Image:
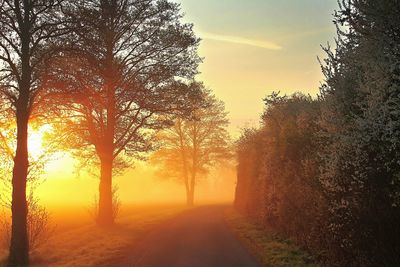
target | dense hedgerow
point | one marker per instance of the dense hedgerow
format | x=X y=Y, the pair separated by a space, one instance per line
x=326 y=172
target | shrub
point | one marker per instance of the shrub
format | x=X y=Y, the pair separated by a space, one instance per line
x=39 y=226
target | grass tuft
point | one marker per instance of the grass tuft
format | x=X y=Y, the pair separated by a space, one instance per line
x=269 y=248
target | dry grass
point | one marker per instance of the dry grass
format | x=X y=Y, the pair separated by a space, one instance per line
x=271 y=250
x=78 y=242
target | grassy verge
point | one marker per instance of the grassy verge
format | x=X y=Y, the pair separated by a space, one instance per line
x=271 y=250
x=79 y=242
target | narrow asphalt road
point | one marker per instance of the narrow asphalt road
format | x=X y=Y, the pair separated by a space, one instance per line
x=196 y=238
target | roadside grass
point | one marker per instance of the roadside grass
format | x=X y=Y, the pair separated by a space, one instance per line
x=77 y=241
x=271 y=250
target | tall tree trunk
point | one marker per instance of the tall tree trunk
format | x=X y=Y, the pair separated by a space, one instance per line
x=189 y=184
x=187 y=188
x=193 y=172
x=106 y=211
x=19 y=247
x=106 y=214
x=190 y=198
x=182 y=147
x=190 y=192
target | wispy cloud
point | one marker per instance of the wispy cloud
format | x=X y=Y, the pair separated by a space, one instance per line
x=298 y=35
x=240 y=40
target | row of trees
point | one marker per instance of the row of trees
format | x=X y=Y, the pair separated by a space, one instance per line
x=325 y=172
x=108 y=75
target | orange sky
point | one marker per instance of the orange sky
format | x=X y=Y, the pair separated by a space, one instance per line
x=250 y=49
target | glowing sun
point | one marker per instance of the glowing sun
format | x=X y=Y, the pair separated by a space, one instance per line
x=35 y=143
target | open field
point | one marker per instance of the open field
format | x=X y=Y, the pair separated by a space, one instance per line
x=77 y=241
x=271 y=250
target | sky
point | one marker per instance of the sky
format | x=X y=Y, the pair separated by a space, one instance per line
x=254 y=47
x=250 y=48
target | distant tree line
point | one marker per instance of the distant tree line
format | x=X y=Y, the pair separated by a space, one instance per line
x=325 y=172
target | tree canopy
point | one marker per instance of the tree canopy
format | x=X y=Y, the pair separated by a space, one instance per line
x=194 y=144
x=123 y=74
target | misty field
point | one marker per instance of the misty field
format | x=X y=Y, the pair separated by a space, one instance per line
x=77 y=241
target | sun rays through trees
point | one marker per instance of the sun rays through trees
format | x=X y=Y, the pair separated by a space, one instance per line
x=112 y=89
x=123 y=76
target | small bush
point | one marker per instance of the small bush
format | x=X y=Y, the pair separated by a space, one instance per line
x=39 y=226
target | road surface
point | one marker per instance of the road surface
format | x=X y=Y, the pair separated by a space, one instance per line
x=196 y=238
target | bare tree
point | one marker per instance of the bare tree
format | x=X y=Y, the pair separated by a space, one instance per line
x=124 y=74
x=194 y=144
x=27 y=29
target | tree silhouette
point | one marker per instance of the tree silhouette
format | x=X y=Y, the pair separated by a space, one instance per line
x=27 y=29
x=125 y=72
x=194 y=144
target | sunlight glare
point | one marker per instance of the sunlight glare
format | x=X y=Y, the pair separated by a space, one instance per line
x=35 y=143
